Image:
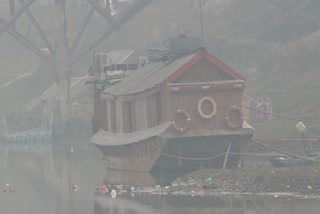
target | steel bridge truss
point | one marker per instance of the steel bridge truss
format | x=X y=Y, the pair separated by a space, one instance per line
x=51 y=58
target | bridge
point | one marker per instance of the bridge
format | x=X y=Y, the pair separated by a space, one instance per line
x=64 y=54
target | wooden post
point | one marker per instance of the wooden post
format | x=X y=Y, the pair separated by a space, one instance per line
x=180 y=160
x=305 y=145
x=226 y=157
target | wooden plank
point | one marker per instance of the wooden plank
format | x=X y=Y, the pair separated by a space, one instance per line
x=159 y=108
x=165 y=95
x=133 y=116
x=113 y=116
x=153 y=111
x=126 y=117
x=109 y=115
x=119 y=116
x=104 y=115
x=141 y=114
x=149 y=110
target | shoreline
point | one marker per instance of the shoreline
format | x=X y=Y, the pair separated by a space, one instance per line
x=296 y=182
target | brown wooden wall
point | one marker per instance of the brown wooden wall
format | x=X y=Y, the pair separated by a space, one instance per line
x=161 y=107
x=203 y=71
x=131 y=116
x=113 y=118
x=148 y=112
x=188 y=101
x=172 y=101
x=104 y=115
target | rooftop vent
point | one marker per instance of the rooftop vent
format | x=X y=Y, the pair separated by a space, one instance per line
x=183 y=44
x=175 y=47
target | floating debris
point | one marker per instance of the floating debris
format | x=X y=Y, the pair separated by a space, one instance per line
x=113 y=194
x=74 y=188
x=8 y=188
x=103 y=189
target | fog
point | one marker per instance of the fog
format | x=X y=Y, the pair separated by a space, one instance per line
x=47 y=52
x=256 y=38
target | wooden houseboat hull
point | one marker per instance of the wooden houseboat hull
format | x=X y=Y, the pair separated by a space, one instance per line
x=167 y=154
x=194 y=153
x=133 y=151
x=139 y=156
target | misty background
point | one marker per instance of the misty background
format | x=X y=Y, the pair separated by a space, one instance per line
x=275 y=44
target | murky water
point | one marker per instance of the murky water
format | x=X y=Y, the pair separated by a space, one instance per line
x=40 y=181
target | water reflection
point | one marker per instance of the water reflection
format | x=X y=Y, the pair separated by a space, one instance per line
x=42 y=179
x=204 y=205
x=41 y=182
x=136 y=179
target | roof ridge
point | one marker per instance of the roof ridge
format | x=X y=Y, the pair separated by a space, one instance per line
x=185 y=54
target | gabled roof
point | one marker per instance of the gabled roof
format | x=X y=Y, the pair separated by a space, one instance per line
x=157 y=73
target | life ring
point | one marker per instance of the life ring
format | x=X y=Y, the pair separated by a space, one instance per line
x=186 y=124
x=238 y=124
x=213 y=105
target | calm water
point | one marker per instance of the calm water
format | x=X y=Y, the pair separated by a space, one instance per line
x=40 y=181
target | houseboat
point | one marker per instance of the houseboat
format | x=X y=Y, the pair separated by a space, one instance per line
x=181 y=112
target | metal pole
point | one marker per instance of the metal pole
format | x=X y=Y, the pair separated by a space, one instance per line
x=15 y=16
x=81 y=31
x=38 y=28
x=201 y=22
x=226 y=157
x=29 y=45
x=108 y=8
x=103 y=12
x=131 y=12
x=304 y=143
x=63 y=64
x=12 y=11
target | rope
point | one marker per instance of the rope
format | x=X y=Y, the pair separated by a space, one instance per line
x=301 y=150
x=249 y=98
x=284 y=117
x=188 y=158
x=256 y=154
x=281 y=151
x=247 y=154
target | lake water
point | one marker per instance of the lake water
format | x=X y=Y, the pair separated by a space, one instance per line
x=40 y=179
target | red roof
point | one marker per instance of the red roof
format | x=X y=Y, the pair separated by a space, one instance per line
x=158 y=73
x=211 y=58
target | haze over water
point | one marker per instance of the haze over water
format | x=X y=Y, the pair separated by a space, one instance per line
x=40 y=182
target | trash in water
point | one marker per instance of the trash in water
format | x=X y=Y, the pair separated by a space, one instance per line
x=113 y=194
x=209 y=179
x=8 y=188
x=74 y=188
x=103 y=189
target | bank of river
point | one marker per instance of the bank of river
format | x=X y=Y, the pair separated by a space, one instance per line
x=254 y=181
